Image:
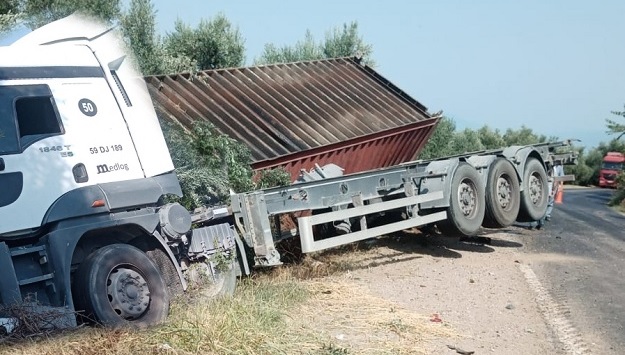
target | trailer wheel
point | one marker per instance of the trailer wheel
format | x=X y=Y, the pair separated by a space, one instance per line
x=535 y=194
x=118 y=285
x=502 y=195
x=466 y=202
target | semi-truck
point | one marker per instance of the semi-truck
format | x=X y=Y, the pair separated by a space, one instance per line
x=613 y=164
x=87 y=229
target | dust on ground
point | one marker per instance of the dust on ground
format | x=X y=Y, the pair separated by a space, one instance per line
x=473 y=291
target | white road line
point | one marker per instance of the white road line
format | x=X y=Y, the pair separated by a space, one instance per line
x=555 y=315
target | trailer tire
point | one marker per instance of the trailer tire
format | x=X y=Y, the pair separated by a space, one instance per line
x=502 y=195
x=118 y=285
x=466 y=202
x=535 y=194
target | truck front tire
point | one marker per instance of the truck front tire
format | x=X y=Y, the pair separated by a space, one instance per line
x=118 y=285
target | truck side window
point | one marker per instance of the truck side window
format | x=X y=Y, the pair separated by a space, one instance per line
x=9 y=142
x=27 y=114
x=36 y=115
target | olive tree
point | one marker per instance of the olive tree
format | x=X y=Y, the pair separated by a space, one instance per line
x=40 y=12
x=213 y=44
x=342 y=41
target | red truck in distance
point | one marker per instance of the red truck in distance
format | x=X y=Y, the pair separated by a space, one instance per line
x=613 y=164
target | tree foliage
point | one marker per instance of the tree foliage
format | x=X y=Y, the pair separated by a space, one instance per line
x=446 y=141
x=438 y=144
x=210 y=164
x=491 y=139
x=213 y=44
x=346 y=41
x=9 y=14
x=138 y=25
x=40 y=12
x=342 y=41
x=615 y=127
x=466 y=140
x=524 y=136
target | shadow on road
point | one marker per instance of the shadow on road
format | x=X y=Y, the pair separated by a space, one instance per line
x=398 y=247
x=442 y=245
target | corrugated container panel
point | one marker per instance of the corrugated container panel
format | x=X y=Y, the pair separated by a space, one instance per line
x=297 y=114
x=359 y=154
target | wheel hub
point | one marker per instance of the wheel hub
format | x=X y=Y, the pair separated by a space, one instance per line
x=467 y=198
x=128 y=293
x=536 y=188
x=504 y=192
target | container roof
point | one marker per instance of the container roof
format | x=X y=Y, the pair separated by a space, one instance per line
x=285 y=109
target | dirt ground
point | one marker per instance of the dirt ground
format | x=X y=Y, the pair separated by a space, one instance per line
x=480 y=291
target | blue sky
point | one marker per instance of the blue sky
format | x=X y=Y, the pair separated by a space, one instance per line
x=556 y=66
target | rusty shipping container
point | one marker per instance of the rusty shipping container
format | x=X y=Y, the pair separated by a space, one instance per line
x=296 y=115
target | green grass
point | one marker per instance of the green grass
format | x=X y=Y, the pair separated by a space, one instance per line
x=251 y=322
x=309 y=308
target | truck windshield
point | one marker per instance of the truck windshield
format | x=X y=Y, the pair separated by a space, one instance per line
x=612 y=166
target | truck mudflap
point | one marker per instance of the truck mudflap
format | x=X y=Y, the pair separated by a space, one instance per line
x=213 y=253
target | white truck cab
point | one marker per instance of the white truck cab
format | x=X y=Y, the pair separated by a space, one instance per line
x=73 y=113
x=84 y=167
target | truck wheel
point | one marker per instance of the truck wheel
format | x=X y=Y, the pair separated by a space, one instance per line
x=118 y=285
x=466 y=202
x=502 y=195
x=535 y=194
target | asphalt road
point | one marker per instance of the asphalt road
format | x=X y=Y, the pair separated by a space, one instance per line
x=580 y=258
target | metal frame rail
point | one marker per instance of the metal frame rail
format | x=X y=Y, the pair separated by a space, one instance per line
x=421 y=189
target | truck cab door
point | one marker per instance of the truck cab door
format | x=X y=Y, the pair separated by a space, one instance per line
x=27 y=115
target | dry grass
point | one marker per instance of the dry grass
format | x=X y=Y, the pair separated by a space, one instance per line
x=345 y=316
x=308 y=308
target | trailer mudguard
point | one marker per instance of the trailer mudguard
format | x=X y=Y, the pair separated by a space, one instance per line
x=439 y=175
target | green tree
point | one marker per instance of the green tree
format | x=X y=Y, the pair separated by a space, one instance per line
x=213 y=44
x=466 y=141
x=524 y=136
x=9 y=14
x=306 y=49
x=346 y=42
x=615 y=127
x=584 y=168
x=41 y=12
x=342 y=41
x=490 y=139
x=139 y=27
x=9 y=6
x=439 y=144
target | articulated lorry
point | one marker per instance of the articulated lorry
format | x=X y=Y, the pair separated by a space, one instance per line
x=87 y=234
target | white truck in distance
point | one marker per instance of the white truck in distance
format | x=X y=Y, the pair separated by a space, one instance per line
x=84 y=169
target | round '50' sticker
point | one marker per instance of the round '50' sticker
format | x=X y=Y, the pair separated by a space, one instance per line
x=87 y=107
